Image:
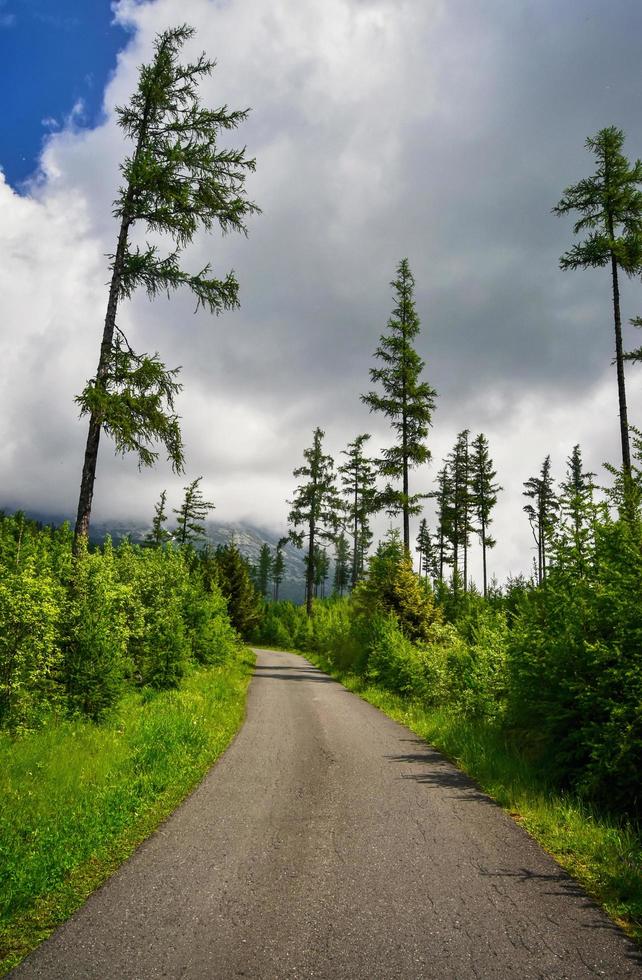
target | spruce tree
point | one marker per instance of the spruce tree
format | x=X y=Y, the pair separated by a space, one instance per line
x=321 y=563
x=278 y=568
x=542 y=515
x=406 y=400
x=236 y=585
x=159 y=535
x=358 y=479
x=191 y=514
x=460 y=525
x=444 y=497
x=316 y=508
x=176 y=181
x=483 y=495
x=264 y=570
x=578 y=512
x=341 y=564
x=428 y=565
x=610 y=207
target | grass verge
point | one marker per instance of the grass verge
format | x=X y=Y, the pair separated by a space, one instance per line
x=604 y=856
x=78 y=798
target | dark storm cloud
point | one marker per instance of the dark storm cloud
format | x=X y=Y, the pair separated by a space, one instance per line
x=439 y=131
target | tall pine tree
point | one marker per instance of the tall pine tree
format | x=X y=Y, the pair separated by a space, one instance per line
x=176 y=181
x=542 y=515
x=278 y=568
x=483 y=495
x=316 y=508
x=610 y=207
x=406 y=400
x=341 y=564
x=191 y=514
x=159 y=535
x=358 y=479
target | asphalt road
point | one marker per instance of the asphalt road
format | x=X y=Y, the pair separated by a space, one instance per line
x=330 y=842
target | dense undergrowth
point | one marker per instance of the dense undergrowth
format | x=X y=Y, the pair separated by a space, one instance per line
x=122 y=678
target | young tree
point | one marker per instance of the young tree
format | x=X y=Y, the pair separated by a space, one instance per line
x=358 y=480
x=321 y=571
x=341 y=564
x=428 y=566
x=159 y=535
x=460 y=525
x=483 y=495
x=610 y=207
x=578 y=512
x=236 y=585
x=542 y=514
x=315 y=512
x=264 y=570
x=406 y=400
x=191 y=514
x=278 y=568
x=444 y=496
x=175 y=181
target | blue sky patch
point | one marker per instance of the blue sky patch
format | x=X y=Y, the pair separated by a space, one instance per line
x=53 y=56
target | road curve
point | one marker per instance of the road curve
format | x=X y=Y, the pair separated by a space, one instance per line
x=330 y=842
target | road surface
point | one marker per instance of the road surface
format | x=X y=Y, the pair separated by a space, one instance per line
x=330 y=842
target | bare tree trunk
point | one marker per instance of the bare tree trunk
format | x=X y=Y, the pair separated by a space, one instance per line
x=619 y=363
x=93 y=437
x=309 y=591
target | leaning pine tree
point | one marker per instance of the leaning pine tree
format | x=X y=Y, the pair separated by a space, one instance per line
x=315 y=513
x=175 y=181
x=406 y=400
x=610 y=207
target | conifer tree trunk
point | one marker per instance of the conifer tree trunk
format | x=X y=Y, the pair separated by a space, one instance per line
x=619 y=362
x=93 y=437
x=88 y=477
x=309 y=589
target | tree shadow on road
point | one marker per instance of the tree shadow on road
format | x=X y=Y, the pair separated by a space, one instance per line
x=437 y=771
x=285 y=673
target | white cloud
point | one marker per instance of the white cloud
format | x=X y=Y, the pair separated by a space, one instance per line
x=381 y=128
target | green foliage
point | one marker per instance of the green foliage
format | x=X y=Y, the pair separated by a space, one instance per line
x=264 y=570
x=31 y=607
x=191 y=514
x=358 y=482
x=159 y=535
x=610 y=207
x=177 y=180
x=96 y=634
x=609 y=204
x=406 y=401
x=316 y=508
x=243 y=602
x=576 y=670
x=391 y=587
x=74 y=632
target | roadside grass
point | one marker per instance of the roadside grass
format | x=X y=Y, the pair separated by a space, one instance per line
x=77 y=798
x=603 y=855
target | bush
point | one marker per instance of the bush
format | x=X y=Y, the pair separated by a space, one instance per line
x=30 y=613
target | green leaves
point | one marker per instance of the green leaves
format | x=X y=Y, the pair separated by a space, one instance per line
x=406 y=400
x=134 y=403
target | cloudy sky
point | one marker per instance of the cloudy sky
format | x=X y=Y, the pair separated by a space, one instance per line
x=440 y=130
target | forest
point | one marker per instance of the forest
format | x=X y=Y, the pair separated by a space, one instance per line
x=549 y=664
